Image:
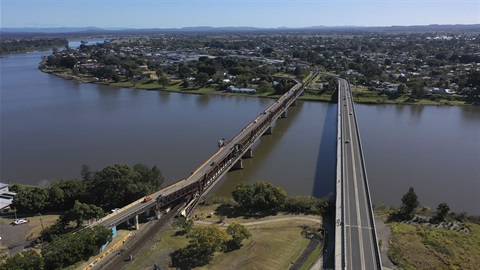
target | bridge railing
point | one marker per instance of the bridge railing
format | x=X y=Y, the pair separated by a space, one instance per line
x=371 y=215
x=340 y=197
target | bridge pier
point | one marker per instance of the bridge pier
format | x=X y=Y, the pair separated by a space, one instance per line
x=248 y=154
x=284 y=114
x=136 y=222
x=294 y=103
x=238 y=165
x=158 y=214
x=268 y=131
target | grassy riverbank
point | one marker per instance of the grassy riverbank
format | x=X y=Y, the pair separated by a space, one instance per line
x=359 y=95
x=420 y=245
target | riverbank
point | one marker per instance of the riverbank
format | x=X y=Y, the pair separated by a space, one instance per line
x=420 y=245
x=359 y=95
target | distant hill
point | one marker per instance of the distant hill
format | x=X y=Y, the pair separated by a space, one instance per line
x=97 y=30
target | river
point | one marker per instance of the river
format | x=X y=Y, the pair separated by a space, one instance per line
x=50 y=127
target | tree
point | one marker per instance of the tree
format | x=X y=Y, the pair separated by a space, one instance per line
x=442 y=212
x=201 y=79
x=204 y=241
x=30 y=259
x=409 y=204
x=163 y=80
x=243 y=195
x=70 y=248
x=268 y=197
x=31 y=200
x=263 y=86
x=401 y=89
x=184 y=224
x=237 y=232
x=83 y=211
x=86 y=173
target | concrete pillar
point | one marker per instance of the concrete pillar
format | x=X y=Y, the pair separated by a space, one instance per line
x=284 y=114
x=294 y=103
x=268 y=131
x=136 y=223
x=158 y=214
x=238 y=165
x=248 y=154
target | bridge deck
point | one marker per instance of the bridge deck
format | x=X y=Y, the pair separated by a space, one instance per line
x=361 y=248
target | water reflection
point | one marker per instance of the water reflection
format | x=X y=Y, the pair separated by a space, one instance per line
x=324 y=184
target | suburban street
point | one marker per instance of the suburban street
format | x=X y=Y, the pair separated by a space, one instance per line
x=360 y=241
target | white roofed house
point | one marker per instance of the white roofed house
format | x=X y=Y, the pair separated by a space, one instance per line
x=233 y=89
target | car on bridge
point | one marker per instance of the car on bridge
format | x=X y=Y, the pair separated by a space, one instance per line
x=147 y=199
x=160 y=196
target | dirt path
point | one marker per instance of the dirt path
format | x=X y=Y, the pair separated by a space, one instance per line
x=224 y=224
x=383 y=234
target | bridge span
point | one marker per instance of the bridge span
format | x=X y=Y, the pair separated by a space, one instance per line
x=356 y=245
x=229 y=156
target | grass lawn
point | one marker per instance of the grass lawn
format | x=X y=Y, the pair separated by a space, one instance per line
x=274 y=245
x=419 y=247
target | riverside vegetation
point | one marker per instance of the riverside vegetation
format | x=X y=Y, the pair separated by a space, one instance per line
x=422 y=239
x=407 y=68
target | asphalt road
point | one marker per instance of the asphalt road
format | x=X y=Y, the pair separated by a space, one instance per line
x=359 y=234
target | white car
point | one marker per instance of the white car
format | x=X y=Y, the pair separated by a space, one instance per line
x=19 y=221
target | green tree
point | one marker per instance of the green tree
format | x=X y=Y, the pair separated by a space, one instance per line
x=238 y=233
x=153 y=176
x=204 y=241
x=163 y=80
x=442 y=212
x=184 y=224
x=26 y=260
x=268 y=197
x=201 y=79
x=31 y=200
x=401 y=89
x=70 y=248
x=243 y=195
x=409 y=204
x=83 y=211
x=56 y=197
x=263 y=86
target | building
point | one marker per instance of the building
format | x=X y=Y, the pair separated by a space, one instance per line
x=6 y=197
x=233 y=89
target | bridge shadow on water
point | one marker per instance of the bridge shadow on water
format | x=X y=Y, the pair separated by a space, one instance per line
x=324 y=183
x=325 y=175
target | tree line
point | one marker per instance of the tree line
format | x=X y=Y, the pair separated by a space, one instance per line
x=63 y=251
x=409 y=208
x=8 y=46
x=114 y=186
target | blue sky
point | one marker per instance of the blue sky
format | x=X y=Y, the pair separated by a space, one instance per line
x=259 y=13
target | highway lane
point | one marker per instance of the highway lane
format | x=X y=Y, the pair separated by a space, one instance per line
x=359 y=233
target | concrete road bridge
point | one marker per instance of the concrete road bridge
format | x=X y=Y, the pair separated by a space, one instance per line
x=356 y=245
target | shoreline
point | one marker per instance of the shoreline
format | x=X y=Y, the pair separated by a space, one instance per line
x=326 y=98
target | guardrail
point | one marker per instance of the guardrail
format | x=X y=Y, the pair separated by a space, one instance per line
x=371 y=216
x=339 y=198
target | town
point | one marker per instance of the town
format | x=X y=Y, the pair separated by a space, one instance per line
x=417 y=64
